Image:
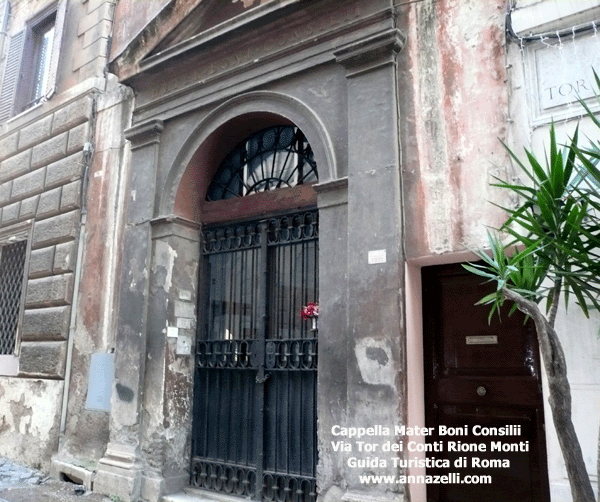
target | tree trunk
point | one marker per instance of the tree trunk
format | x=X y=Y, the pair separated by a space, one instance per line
x=559 y=398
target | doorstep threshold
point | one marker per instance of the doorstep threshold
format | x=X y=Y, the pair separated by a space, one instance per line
x=197 y=495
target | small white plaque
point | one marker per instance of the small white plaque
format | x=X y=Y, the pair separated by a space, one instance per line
x=377 y=256
x=482 y=340
x=172 y=331
x=185 y=294
x=184 y=345
x=185 y=323
x=184 y=309
x=561 y=72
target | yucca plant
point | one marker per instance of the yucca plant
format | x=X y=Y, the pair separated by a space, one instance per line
x=553 y=252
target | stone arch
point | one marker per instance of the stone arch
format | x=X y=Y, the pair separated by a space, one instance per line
x=224 y=127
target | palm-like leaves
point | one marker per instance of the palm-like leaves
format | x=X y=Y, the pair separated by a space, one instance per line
x=556 y=231
x=556 y=226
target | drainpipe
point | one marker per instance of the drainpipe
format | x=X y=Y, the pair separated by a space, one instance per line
x=87 y=157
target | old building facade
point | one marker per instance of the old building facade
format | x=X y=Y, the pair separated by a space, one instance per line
x=61 y=150
x=173 y=199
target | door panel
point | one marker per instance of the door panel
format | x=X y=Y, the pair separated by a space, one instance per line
x=482 y=373
x=254 y=429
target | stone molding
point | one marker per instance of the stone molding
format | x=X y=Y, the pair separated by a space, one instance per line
x=370 y=53
x=277 y=103
x=119 y=472
x=302 y=47
x=145 y=134
x=332 y=193
x=174 y=225
x=329 y=186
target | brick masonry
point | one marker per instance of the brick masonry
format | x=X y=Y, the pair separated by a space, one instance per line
x=41 y=174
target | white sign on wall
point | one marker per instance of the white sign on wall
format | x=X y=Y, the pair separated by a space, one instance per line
x=561 y=72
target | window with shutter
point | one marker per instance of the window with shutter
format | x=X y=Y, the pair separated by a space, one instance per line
x=11 y=75
x=32 y=62
x=36 y=63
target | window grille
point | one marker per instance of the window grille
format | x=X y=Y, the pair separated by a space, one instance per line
x=12 y=266
x=275 y=157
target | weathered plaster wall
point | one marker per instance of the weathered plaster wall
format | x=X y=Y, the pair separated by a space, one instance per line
x=87 y=29
x=167 y=406
x=455 y=109
x=49 y=154
x=29 y=419
x=86 y=431
x=330 y=69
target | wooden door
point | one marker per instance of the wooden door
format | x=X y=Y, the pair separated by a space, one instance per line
x=482 y=377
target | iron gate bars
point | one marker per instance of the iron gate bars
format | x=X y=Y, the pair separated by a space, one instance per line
x=254 y=431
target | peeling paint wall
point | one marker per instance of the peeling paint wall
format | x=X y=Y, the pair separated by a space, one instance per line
x=456 y=112
x=86 y=431
x=60 y=175
x=167 y=406
x=29 y=420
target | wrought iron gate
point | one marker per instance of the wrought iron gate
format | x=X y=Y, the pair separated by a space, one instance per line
x=254 y=431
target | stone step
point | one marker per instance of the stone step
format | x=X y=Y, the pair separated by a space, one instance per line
x=194 y=495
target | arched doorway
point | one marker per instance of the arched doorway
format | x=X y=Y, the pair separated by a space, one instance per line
x=254 y=425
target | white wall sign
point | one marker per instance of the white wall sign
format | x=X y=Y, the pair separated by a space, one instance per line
x=560 y=72
x=376 y=256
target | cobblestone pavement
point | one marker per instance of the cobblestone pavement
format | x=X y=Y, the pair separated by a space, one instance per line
x=20 y=484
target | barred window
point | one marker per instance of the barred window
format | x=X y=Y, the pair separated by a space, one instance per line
x=12 y=266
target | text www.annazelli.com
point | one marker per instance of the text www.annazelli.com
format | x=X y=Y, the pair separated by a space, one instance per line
x=447 y=479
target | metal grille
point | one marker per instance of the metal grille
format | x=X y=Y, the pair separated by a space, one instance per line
x=12 y=263
x=254 y=431
x=273 y=158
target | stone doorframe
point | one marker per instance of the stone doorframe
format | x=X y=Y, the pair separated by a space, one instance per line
x=148 y=452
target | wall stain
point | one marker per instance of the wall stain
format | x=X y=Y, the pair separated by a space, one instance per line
x=124 y=393
x=377 y=354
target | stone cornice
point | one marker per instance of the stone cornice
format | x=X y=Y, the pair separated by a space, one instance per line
x=144 y=134
x=372 y=52
x=172 y=224
x=301 y=48
x=329 y=186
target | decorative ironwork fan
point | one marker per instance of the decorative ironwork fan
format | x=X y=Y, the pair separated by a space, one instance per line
x=272 y=158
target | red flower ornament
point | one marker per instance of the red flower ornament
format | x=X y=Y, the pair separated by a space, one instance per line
x=310 y=311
